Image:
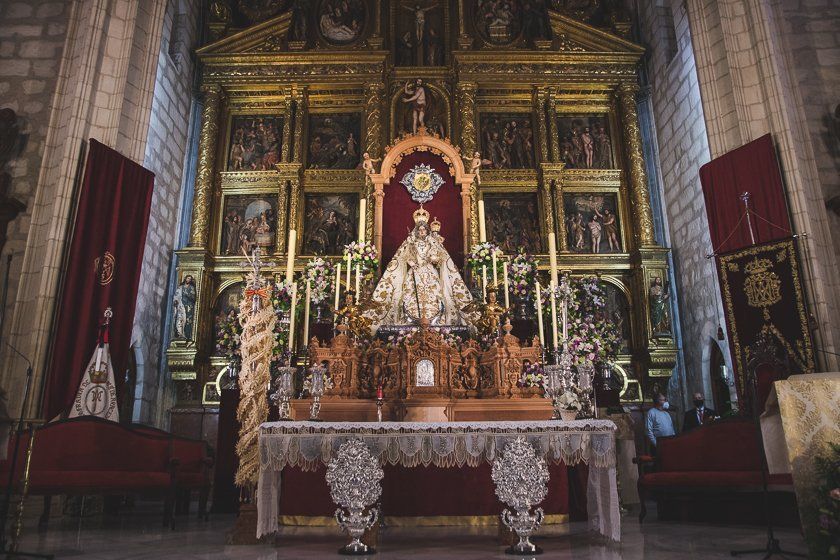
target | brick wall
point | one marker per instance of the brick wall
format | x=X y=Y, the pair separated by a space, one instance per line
x=32 y=37
x=683 y=147
x=166 y=147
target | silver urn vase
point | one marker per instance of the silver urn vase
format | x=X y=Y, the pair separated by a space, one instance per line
x=283 y=391
x=521 y=479
x=354 y=477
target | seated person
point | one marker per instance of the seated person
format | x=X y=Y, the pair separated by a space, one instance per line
x=698 y=415
x=658 y=422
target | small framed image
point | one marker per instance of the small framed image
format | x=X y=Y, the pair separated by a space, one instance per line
x=507 y=140
x=334 y=141
x=585 y=141
x=513 y=221
x=255 y=142
x=248 y=220
x=331 y=222
x=592 y=223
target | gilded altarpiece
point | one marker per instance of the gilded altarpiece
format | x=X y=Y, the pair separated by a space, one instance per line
x=547 y=102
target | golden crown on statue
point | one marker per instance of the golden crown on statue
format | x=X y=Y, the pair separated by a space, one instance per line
x=435 y=226
x=421 y=215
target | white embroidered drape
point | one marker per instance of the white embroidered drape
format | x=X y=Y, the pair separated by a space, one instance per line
x=443 y=444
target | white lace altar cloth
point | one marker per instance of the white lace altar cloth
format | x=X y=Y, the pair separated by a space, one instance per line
x=443 y=444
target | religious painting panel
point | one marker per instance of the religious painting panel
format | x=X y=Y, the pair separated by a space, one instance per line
x=510 y=22
x=330 y=222
x=585 y=141
x=225 y=322
x=419 y=104
x=618 y=312
x=334 y=141
x=183 y=307
x=419 y=33
x=513 y=221
x=255 y=143
x=248 y=221
x=592 y=224
x=507 y=140
x=341 y=22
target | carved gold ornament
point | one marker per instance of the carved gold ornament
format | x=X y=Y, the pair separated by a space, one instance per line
x=422 y=183
x=762 y=286
x=104 y=267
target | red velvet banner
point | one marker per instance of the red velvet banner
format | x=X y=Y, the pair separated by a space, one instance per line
x=103 y=270
x=752 y=168
x=398 y=208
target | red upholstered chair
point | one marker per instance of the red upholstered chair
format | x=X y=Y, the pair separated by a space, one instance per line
x=192 y=462
x=82 y=456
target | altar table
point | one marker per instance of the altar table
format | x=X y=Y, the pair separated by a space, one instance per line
x=443 y=444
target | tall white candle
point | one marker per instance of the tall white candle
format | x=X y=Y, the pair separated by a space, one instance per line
x=290 y=257
x=507 y=286
x=306 y=314
x=484 y=282
x=349 y=271
x=292 y=319
x=540 y=316
x=482 y=229
x=495 y=272
x=565 y=317
x=554 y=315
x=362 y=219
x=358 y=281
x=337 y=286
x=552 y=257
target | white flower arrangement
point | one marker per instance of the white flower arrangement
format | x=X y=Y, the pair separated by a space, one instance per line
x=570 y=401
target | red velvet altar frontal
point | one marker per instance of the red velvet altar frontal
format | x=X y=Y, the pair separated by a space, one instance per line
x=432 y=492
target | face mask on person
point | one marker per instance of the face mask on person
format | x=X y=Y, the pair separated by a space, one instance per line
x=665 y=405
x=698 y=403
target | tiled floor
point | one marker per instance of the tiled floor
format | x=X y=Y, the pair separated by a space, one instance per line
x=139 y=537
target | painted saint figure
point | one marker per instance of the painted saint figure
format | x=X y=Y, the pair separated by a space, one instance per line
x=416 y=96
x=184 y=308
x=660 y=316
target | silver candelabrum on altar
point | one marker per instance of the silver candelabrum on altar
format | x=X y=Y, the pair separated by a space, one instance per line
x=521 y=479
x=284 y=389
x=559 y=378
x=354 y=477
x=317 y=382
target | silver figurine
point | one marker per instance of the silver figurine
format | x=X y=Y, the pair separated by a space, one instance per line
x=521 y=479
x=354 y=477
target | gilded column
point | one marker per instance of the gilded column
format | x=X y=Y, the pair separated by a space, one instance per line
x=378 y=196
x=465 y=94
x=286 y=149
x=553 y=134
x=294 y=202
x=374 y=98
x=562 y=236
x=540 y=100
x=300 y=120
x=200 y=230
x=547 y=201
x=642 y=214
x=282 y=208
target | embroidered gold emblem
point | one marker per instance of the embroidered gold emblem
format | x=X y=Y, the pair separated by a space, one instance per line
x=104 y=267
x=762 y=286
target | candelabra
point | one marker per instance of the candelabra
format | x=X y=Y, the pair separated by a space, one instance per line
x=558 y=380
x=317 y=383
x=284 y=389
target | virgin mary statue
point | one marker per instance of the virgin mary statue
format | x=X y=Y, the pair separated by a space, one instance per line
x=421 y=282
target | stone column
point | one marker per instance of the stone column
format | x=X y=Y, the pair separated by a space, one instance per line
x=465 y=95
x=639 y=194
x=206 y=168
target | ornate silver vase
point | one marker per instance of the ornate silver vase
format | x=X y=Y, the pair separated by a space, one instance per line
x=521 y=479
x=558 y=378
x=283 y=391
x=317 y=382
x=354 y=477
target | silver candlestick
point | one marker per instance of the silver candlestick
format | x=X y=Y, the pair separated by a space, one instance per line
x=317 y=382
x=558 y=380
x=284 y=389
x=521 y=480
x=354 y=477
